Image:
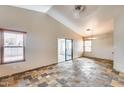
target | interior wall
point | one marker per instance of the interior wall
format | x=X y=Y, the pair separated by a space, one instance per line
x=119 y=43
x=102 y=47
x=41 y=42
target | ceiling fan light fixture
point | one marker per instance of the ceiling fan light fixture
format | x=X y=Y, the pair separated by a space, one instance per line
x=76 y=14
x=78 y=9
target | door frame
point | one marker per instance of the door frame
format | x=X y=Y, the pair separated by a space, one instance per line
x=65 y=54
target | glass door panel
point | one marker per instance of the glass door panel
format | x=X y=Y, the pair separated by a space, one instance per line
x=61 y=50
x=65 y=50
x=68 y=52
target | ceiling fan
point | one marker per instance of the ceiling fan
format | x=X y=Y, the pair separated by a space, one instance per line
x=78 y=9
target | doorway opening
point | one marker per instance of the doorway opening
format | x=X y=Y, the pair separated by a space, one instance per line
x=65 y=50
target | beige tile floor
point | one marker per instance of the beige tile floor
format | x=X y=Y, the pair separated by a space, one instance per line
x=81 y=72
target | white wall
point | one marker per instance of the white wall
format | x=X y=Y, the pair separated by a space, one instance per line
x=42 y=33
x=119 y=43
x=102 y=47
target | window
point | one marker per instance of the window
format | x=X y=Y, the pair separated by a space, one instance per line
x=87 y=45
x=13 y=49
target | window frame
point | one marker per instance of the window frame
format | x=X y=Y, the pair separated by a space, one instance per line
x=2 y=30
x=87 y=46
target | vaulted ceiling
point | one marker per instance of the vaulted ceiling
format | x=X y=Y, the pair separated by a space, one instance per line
x=99 y=19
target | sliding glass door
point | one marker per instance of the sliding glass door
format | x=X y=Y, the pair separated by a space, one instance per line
x=68 y=50
x=61 y=50
x=65 y=50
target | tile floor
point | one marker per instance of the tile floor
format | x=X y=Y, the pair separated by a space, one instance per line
x=81 y=72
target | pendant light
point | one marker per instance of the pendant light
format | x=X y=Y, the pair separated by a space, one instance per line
x=91 y=34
